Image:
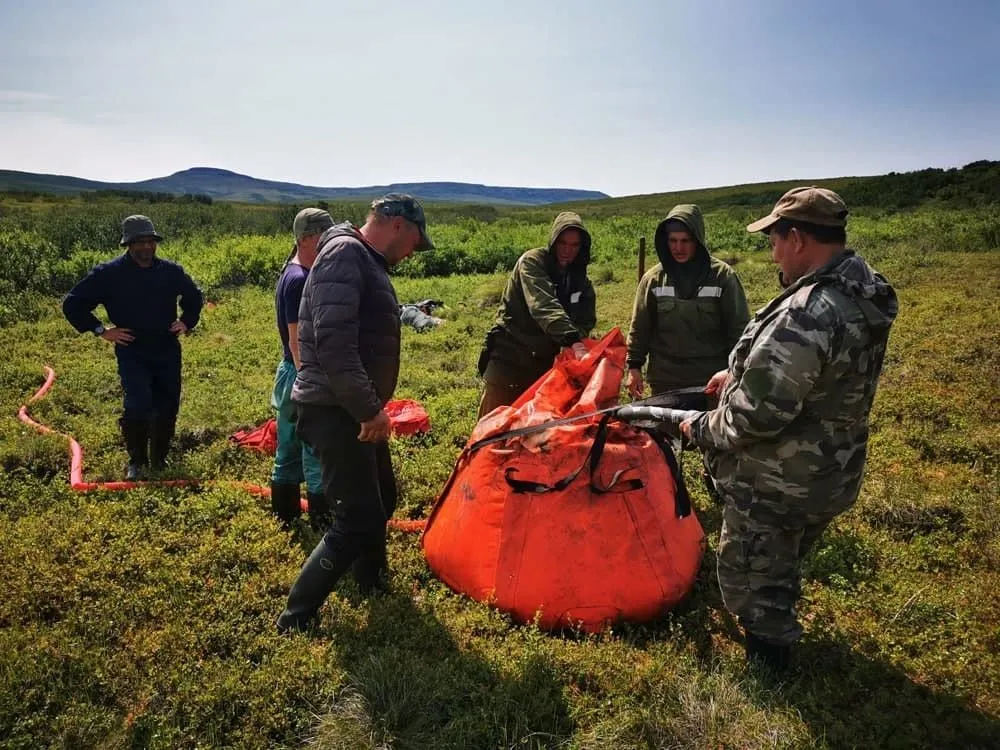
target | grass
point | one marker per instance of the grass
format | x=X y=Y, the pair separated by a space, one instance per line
x=145 y=618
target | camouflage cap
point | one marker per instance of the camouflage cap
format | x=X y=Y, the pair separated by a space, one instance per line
x=401 y=204
x=814 y=205
x=136 y=227
x=311 y=221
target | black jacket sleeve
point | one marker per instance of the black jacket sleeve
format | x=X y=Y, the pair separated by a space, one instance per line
x=78 y=305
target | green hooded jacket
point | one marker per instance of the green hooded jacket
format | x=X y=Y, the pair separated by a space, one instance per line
x=542 y=309
x=687 y=316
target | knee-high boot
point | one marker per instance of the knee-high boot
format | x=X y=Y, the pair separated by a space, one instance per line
x=316 y=580
x=320 y=512
x=371 y=569
x=285 y=502
x=135 y=433
x=161 y=433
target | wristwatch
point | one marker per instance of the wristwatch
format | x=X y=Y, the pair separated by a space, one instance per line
x=99 y=331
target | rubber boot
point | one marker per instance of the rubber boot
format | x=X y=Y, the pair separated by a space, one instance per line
x=160 y=434
x=315 y=582
x=135 y=433
x=285 y=503
x=371 y=570
x=320 y=512
x=774 y=657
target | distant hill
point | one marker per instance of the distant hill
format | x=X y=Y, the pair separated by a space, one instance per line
x=975 y=184
x=221 y=184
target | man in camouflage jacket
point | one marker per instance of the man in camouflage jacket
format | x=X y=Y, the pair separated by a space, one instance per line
x=786 y=446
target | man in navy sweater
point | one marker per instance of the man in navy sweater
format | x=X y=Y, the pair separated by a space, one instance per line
x=140 y=292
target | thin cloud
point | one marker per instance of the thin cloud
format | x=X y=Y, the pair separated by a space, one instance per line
x=9 y=96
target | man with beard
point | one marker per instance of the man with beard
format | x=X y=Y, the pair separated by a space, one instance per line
x=140 y=293
x=786 y=446
x=349 y=343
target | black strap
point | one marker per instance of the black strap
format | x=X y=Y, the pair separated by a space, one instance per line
x=593 y=459
x=682 y=500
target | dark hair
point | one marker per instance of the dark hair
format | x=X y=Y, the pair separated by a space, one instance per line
x=820 y=233
x=676 y=225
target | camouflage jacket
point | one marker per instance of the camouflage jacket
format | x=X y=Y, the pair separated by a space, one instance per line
x=789 y=437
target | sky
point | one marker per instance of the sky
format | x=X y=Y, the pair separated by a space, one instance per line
x=621 y=96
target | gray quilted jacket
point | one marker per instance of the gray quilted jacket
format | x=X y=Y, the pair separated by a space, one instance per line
x=349 y=327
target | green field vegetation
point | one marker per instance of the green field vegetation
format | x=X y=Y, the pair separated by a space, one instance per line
x=146 y=618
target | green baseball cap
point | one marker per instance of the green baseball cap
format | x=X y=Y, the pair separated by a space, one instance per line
x=311 y=221
x=401 y=204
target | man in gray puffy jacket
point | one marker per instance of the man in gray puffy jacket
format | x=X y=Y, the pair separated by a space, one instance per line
x=349 y=336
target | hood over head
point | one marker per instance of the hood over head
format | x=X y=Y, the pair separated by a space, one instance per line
x=569 y=220
x=690 y=216
x=686 y=276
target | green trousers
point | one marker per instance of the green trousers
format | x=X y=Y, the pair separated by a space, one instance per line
x=293 y=460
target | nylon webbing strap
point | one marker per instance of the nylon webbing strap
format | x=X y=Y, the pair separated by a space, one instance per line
x=593 y=459
x=682 y=500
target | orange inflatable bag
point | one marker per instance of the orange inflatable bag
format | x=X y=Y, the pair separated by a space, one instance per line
x=578 y=525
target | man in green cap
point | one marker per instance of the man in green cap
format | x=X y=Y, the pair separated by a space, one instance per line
x=349 y=344
x=294 y=460
x=140 y=294
x=689 y=310
x=548 y=304
x=786 y=446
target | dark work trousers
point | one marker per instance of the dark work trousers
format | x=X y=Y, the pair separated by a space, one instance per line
x=506 y=381
x=359 y=485
x=151 y=378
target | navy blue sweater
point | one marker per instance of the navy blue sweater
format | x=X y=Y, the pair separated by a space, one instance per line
x=141 y=299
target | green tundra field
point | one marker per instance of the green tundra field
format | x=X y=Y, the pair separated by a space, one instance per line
x=145 y=618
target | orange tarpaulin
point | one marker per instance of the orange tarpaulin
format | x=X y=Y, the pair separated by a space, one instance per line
x=580 y=525
x=407 y=418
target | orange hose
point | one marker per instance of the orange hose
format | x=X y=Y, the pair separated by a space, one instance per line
x=76 y=466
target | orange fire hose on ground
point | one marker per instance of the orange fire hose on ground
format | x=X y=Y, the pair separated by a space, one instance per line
x=77 y=483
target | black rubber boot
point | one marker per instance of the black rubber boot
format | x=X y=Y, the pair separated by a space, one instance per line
x=285 y=503
x=371 y=570
x=774 y=657
x=161 y=432
x=320 y=512
x=315 y=582
x=135 y=433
